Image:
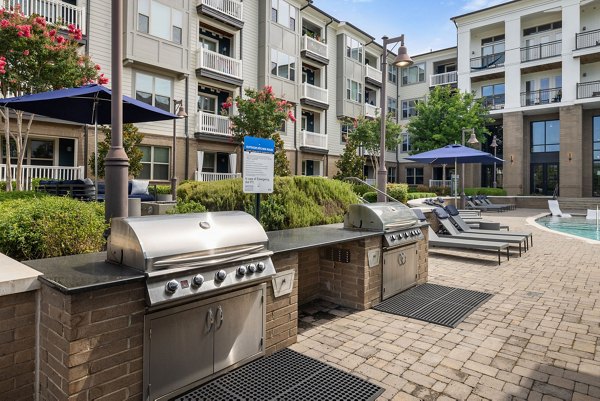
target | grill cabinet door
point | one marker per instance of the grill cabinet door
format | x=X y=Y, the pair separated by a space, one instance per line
x=239 y=328
x=399 y=270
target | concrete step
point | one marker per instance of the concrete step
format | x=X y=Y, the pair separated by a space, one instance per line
x=578 y=203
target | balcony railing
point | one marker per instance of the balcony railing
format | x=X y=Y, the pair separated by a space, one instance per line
x=495 y=102
x=440 y=183
x=314 y=140
x=216 y=62
x=588 y=89
x=314 y=46
x=371 y=111
x=314 y=93
x=587 y=39
x=55 y=11
x=445 y=78
x=540 y=51
x=200 y=176
x=213 y=124
x=488 y=61
x=231 y=8
x=373 y=73
x=29 y=172
x=542 y=96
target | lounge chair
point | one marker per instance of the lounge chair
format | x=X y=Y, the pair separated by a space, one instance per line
x=472 y=204
x=592 y=214
x=464 y=227
x=555 y=209
x=484 y=199
x=444 y=220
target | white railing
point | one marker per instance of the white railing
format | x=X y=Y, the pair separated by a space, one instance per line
x=373 y=73
x=445 y=78
x=55 y=11
x=314 y=93
x=440 y=183
x=29 y=172
x=314 y=46
x=371 y=181
x=314 y=140
x=213 y=124
x=200 y=176
x=371 y=111
x=216 y=62
x=232 y=8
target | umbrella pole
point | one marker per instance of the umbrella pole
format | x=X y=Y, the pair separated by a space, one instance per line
x=455 y=183
x=96 y=155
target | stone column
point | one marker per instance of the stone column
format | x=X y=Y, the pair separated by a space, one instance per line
x=571 y=151
x=514 y=166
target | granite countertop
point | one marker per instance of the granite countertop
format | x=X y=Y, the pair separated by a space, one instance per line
x=310 y=237
x=79 y=273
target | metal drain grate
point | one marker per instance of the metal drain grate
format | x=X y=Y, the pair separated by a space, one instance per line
x=285 y=376
x=438 y=304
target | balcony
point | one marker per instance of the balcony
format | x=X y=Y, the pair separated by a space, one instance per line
x=213 y=124
x=227 y=11
x=542 y=96
x=446 y=78
x=373 y=76
x=201 y=176
x=587 y=90
x=315 y=50
x=487 y=62
x=371 y=111
x=55 y=11
x=314 y=140
x=219 y=67
x=585 y=40
x=30 y=172
x=495 y=102
x=314 y=96
x=541 y=51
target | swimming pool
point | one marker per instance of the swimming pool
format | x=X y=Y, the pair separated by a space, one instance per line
x=576 y=225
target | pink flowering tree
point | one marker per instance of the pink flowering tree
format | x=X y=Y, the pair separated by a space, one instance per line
x=36 y=56
x=261 y=114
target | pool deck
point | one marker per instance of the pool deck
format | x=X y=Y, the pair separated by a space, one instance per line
x=537 y=338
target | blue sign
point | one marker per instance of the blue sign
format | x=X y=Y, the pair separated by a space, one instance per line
x=261 y=145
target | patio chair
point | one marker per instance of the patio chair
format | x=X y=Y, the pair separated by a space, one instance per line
x=555 y=209
x=454 y=216
x=444 y=220
x=592 y=214
x=477 y=204
x=485 y=200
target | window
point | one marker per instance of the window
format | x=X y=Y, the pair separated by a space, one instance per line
x=392 y=106
x=160 y=20
x=311 y=167
x=153 y=90
x=284 y=13
x=414 y=175
x=392 y=73
x=492 y=51
x=545 y=136
x=406 y=142
x=596 y=138
x=345 y=130
x=207 y=103
x=155 y=163
x=282 y=65
x=596 y=156
x=493 y=95
x=391 y=174
x=542 y=28
x=42 y=153
x=353 y=91
x=414 y=74
x=354 y=49
x=409 y=108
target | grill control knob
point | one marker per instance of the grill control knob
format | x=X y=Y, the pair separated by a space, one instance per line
x=405 y=235
x=241 y=270
x=172 y=286
x=251 y=268
x=197 y=280
x=260 y=267
x=220 y=275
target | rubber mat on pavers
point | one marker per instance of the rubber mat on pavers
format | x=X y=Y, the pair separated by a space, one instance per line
x=285 y=376
x=438 y=304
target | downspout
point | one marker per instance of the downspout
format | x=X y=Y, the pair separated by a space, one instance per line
x=186 y=129
x=326 y=36
x=296 y=146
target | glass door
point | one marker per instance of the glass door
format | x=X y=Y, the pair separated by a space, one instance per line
x=544 y=178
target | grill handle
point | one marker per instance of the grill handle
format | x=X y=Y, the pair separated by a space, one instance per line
x=210 y=320
x=222 y=257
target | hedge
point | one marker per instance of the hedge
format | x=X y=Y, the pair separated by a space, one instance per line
x=420 y=195
x=485 y=191
x=6 y=196
x=48 y=226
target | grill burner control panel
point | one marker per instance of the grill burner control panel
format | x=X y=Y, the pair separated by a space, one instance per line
x=403 y=237
x=197 y=282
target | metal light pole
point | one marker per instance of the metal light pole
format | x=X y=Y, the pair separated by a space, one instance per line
x=494 y=145
x=401 y=60
x=472 y=140
x=180 y=111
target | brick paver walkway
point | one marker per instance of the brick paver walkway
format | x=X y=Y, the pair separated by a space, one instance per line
x=537 y=338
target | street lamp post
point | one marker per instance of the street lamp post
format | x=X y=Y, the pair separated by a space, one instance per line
x=401 y=60
x=180 y=111
x=472 y=140
x=494 y=145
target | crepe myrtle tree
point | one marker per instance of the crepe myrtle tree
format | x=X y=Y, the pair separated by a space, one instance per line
x=261 y=114
x=36 y=56
x=132 y=138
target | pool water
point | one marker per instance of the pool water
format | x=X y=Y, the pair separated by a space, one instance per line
x=576 y=225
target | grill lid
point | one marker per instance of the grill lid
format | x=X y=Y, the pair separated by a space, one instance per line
x=151 y=243
x=382 y=216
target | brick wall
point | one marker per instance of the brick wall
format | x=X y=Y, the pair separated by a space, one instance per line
x=308 y=275
x=423 y=252
x=92 y=344
x=17 y=346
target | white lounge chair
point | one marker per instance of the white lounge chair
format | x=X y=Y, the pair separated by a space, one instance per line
x=555 y=209
x=592 y=214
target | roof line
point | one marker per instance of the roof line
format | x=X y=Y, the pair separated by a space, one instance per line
x=483 y=9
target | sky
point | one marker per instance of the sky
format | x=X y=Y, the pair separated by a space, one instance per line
x=425 y=24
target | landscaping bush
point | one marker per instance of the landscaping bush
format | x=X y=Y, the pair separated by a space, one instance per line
x=370 y=196
x=6 y=196
x=420 y=195
x=187 y=207
x=48 y=226
x=361 y=189
x=398 y=191
x=485 y=191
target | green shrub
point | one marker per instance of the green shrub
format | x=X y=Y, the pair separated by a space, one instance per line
x=420 y=195
x=163 y=189
x=6 y=196
x=3 y=185
x=370 y=196
x=485 y=191
x=43 y=227
x=187 y=207
x=361 y=189
x=398 y=192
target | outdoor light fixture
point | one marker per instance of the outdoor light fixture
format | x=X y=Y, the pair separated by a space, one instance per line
x=180 y=111
x=570 y=156
x=472 y=140
x=494 y=145
x=401 y=60
x=511 y=159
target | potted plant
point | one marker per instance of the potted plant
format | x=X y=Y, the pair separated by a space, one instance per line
x=163 y=193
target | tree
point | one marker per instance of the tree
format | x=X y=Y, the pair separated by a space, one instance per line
x=367 y=133
x=261 y=114
x=350 y=164
x=132 y=138
x=36 y=56
x=441 y=118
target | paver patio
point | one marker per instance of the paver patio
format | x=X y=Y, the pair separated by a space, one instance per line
x=537 y=338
